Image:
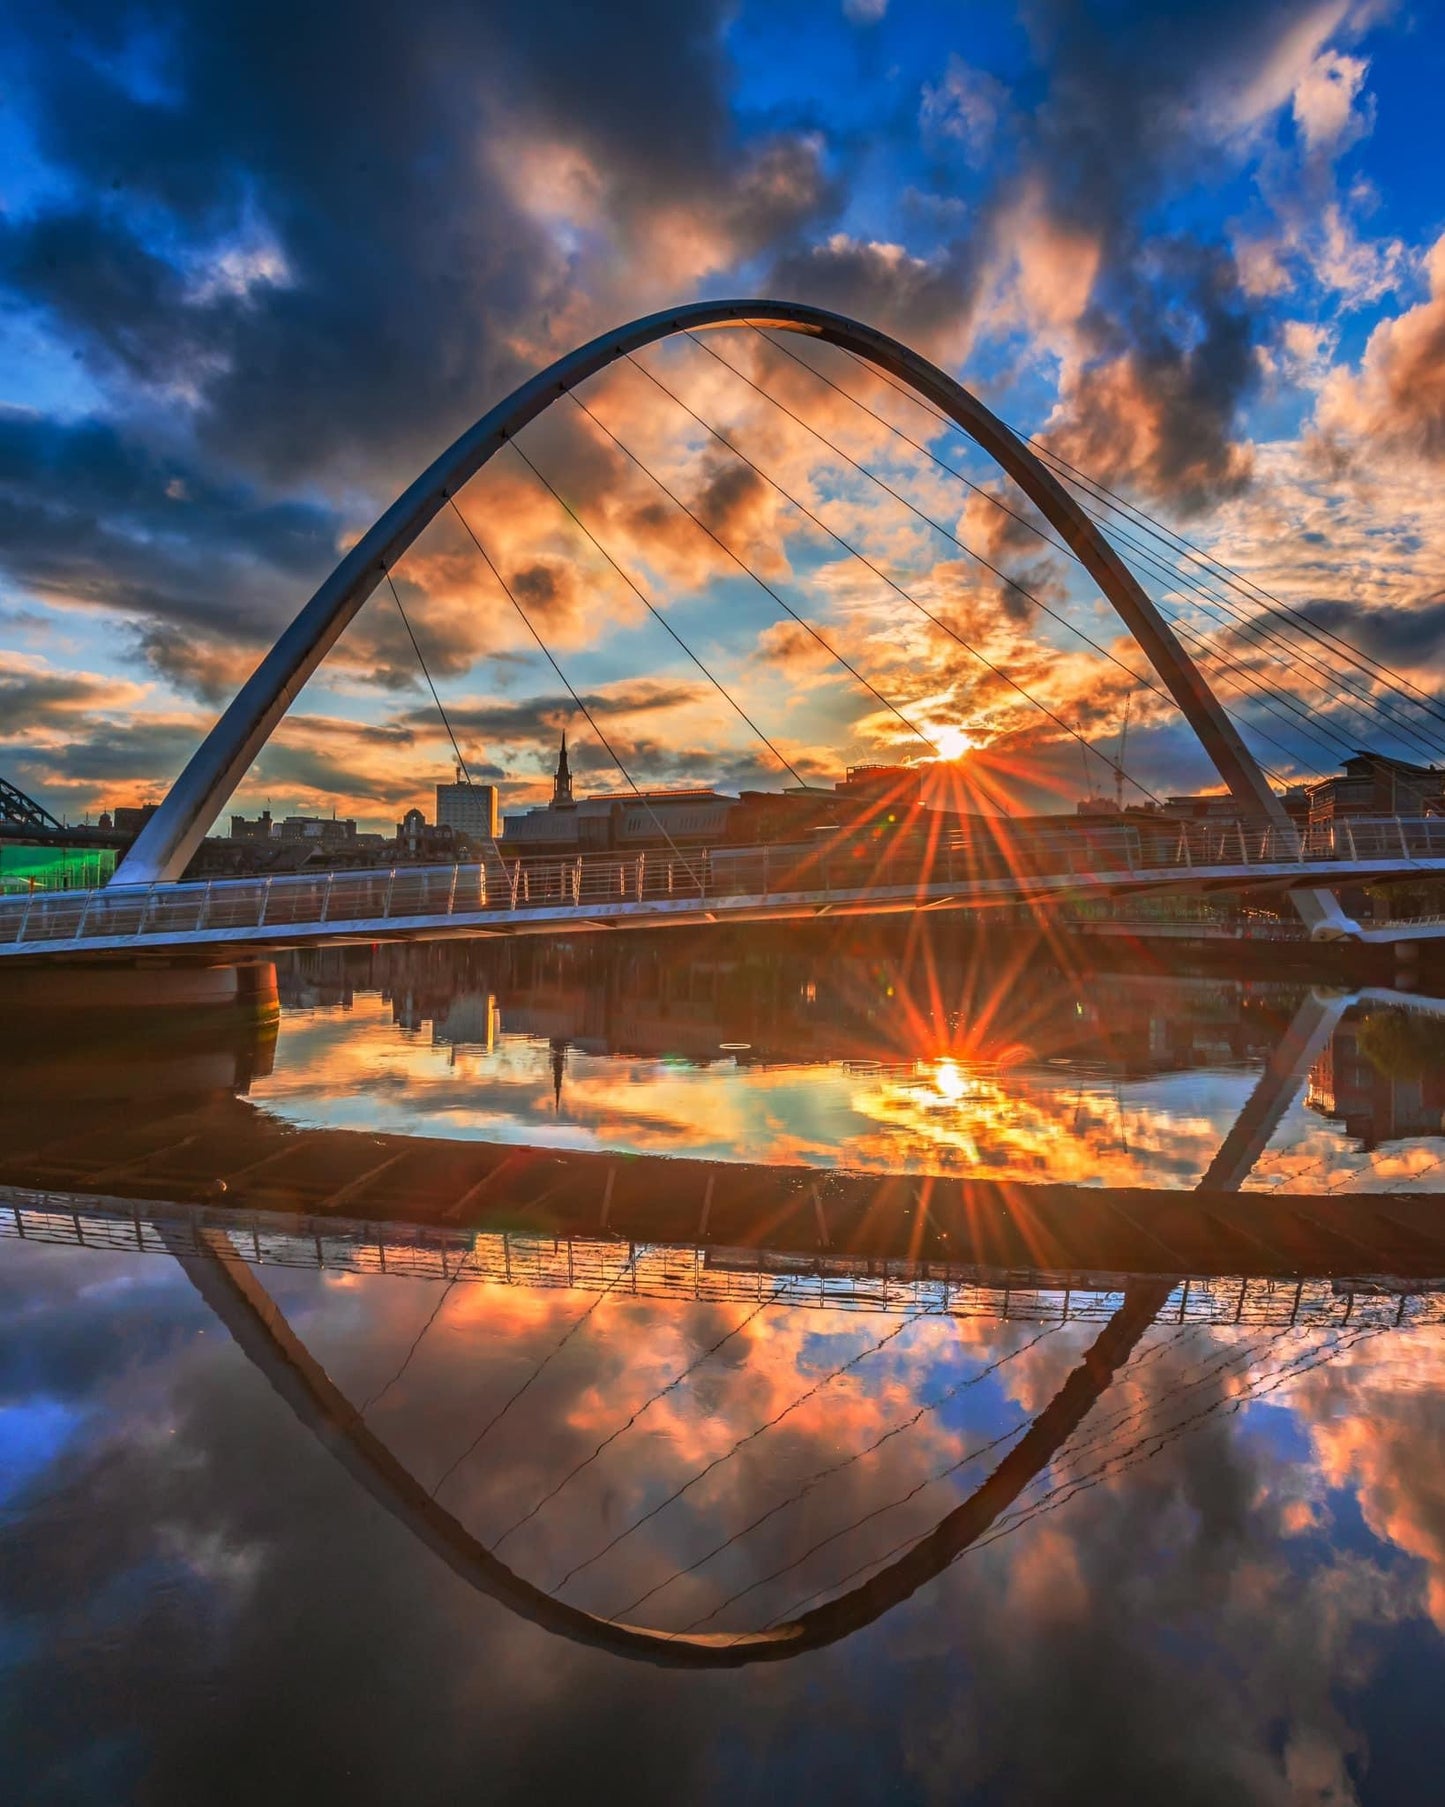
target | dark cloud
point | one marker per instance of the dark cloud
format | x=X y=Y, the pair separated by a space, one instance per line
x=30 y=700
x=211 y=671
x=94 y=515
x=926 y=302
x=288 y=768
x=399 y=265
x=1397 y=633
x=543 y=716
x=98 y=752
x=295 y=251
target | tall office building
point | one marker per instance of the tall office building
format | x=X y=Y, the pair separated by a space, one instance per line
x=471 y=809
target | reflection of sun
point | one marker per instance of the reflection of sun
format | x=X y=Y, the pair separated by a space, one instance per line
x=952 y=741
x=950 y=1082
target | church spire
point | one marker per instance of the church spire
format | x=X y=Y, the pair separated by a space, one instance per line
x=562 y=783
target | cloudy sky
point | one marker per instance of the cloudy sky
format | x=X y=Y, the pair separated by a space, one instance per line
x=259 y=264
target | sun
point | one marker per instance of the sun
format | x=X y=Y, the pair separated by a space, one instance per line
x=952 y=741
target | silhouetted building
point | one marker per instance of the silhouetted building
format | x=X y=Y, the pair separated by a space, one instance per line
x=326 y=831
x=1374 y=785
x=469 y=809
x=638 y=820
x=131 y=819
x=416 y=838
x=1346 y=1086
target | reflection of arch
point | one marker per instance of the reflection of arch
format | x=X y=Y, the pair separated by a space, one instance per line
x=166 y=844
x=260 y=1328
x=258 y=1325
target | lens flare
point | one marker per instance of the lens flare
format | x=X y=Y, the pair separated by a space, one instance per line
x=952 y=741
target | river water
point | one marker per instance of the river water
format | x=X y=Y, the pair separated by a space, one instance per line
x=876 y=1366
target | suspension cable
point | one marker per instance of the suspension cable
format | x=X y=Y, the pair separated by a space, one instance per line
x=1253 y=623
x=928 y=520
x=1212 y=565
x=761 y=582
x=426 y=673
x=938 y=526
x=1258 y=623
x=883 y=577
x=647 y=602
x=587 y=713
x=1047 y=538
x=1235 y=624
x=1276 y=604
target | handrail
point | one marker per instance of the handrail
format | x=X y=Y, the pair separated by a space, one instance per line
x=987 y=857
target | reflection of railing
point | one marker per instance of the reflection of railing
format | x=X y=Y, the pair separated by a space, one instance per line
x=995 y=863
x=687 y=1274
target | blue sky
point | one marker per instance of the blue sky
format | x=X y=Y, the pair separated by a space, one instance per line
x=259 y=264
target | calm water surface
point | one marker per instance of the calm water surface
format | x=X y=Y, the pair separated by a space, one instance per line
x=1215 y=1571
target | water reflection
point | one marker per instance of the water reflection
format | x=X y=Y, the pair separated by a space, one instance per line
x=930 y=1057
x=719 y=1404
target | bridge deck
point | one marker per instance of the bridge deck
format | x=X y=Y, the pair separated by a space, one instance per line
x=1011 y=864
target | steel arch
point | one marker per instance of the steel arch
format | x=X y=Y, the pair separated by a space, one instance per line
x=165 y=845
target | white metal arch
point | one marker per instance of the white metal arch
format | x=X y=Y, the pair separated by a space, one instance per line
x=164 y=847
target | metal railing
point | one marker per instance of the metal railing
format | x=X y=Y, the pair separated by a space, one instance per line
x=684 y=1274
x=1005 y=861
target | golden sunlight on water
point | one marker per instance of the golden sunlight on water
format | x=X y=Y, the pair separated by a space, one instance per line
x=568 y=1068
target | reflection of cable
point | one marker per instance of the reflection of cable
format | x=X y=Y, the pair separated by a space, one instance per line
x=727 y=1455
x=822 y=1474
x=612 y=1436
x=416 y=1343
x=1149 y=1445
x=953 y=1468
x=536 y=1374
x=1144 y=1449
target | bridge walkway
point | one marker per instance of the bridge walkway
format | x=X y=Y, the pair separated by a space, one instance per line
x=1011 y=863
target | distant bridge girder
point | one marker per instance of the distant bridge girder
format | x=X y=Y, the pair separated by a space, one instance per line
x=15 y=806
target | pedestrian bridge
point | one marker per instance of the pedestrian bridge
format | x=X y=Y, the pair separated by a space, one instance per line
x=1000 y=860
x=1006 y=863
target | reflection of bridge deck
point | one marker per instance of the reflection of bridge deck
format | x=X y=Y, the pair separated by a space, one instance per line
x=1013 y=864
x=691 y=1274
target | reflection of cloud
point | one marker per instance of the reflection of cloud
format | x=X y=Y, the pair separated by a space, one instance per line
x=953 y=1113
x=1191 y=1631
x=1372 y=1428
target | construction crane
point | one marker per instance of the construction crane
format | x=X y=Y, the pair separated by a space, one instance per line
x=1119 y=762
